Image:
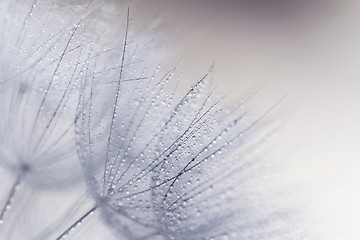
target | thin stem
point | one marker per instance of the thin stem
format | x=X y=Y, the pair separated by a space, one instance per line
x=11 y=196
x=75 y=224
x=109 y=141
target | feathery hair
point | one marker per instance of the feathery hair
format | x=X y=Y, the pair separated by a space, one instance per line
x=160 y=162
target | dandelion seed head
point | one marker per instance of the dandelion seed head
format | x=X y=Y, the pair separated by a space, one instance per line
x=42 y=58
x=166 y=165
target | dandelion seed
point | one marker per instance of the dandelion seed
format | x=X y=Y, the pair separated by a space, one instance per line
x=164 y=167
x=42 y=61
